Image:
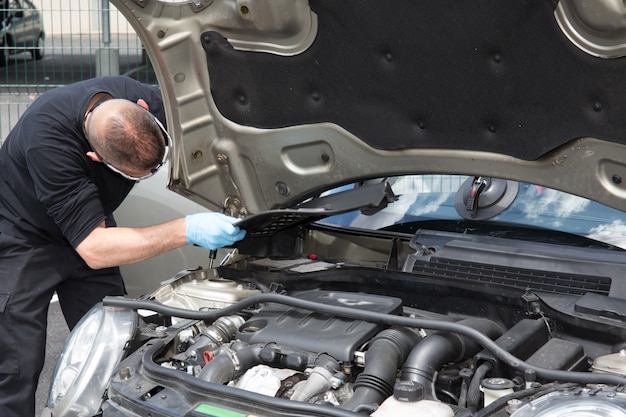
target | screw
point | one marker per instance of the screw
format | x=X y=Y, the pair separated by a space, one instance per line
x=282 y=188
x=124 y=373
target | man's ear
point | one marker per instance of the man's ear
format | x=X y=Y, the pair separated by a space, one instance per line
x=143 y=104
x=93 y=156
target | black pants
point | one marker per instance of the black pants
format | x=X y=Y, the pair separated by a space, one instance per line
x=29 y=276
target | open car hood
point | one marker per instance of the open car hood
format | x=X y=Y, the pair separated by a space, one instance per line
x=270 y=102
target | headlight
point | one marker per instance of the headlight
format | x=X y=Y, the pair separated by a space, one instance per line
x=583 y=402
x=91 y=353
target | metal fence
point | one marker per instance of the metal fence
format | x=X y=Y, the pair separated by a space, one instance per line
x=81 y=39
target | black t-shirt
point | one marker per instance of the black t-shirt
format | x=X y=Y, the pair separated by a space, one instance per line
x=50 y=191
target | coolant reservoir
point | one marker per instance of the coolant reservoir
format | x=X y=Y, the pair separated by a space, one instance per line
x=392 y=407
x=199 y=289
x=614 y=363
x=494 y=388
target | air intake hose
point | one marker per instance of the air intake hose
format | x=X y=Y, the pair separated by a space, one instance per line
x=232 y=361
x=429 y=356
x=387 y=351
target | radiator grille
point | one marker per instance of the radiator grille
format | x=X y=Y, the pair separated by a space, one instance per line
x=519 y=278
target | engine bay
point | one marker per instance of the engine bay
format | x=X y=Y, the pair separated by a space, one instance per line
x=372 y=343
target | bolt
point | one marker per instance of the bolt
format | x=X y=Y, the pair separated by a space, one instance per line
x=124 y=373
x=616 y=179
x=325 y=157
x=196 y=155
x=282 y=188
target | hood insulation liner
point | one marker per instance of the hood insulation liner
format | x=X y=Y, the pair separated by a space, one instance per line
x=492 y=75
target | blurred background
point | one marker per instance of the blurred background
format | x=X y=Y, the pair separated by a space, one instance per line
x=48 y=43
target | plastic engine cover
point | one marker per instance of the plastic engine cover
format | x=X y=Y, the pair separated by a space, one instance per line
x=316 y=332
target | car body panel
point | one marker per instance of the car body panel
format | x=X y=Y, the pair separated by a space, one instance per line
x=463 y=123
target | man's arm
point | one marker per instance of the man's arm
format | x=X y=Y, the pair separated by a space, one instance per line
x=113 y=246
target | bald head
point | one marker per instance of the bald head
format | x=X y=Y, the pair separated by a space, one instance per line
x=126 y=135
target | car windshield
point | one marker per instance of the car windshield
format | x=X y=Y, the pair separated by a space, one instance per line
x=517 y=210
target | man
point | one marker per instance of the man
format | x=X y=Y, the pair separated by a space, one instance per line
x=65 y=167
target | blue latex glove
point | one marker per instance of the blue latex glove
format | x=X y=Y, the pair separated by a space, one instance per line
x=212 y=230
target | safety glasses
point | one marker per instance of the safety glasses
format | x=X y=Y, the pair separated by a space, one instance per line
x=166 y=137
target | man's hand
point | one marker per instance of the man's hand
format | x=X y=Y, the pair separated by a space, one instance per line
x=212 y=230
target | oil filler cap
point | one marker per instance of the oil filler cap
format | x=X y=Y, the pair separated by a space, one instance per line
x=408 y=391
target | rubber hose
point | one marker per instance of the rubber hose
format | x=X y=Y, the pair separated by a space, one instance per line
x=429 y=356
x=385 y=355
x=220 y=370
x=228 y=363
x=473 y=391
x=232 y=362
